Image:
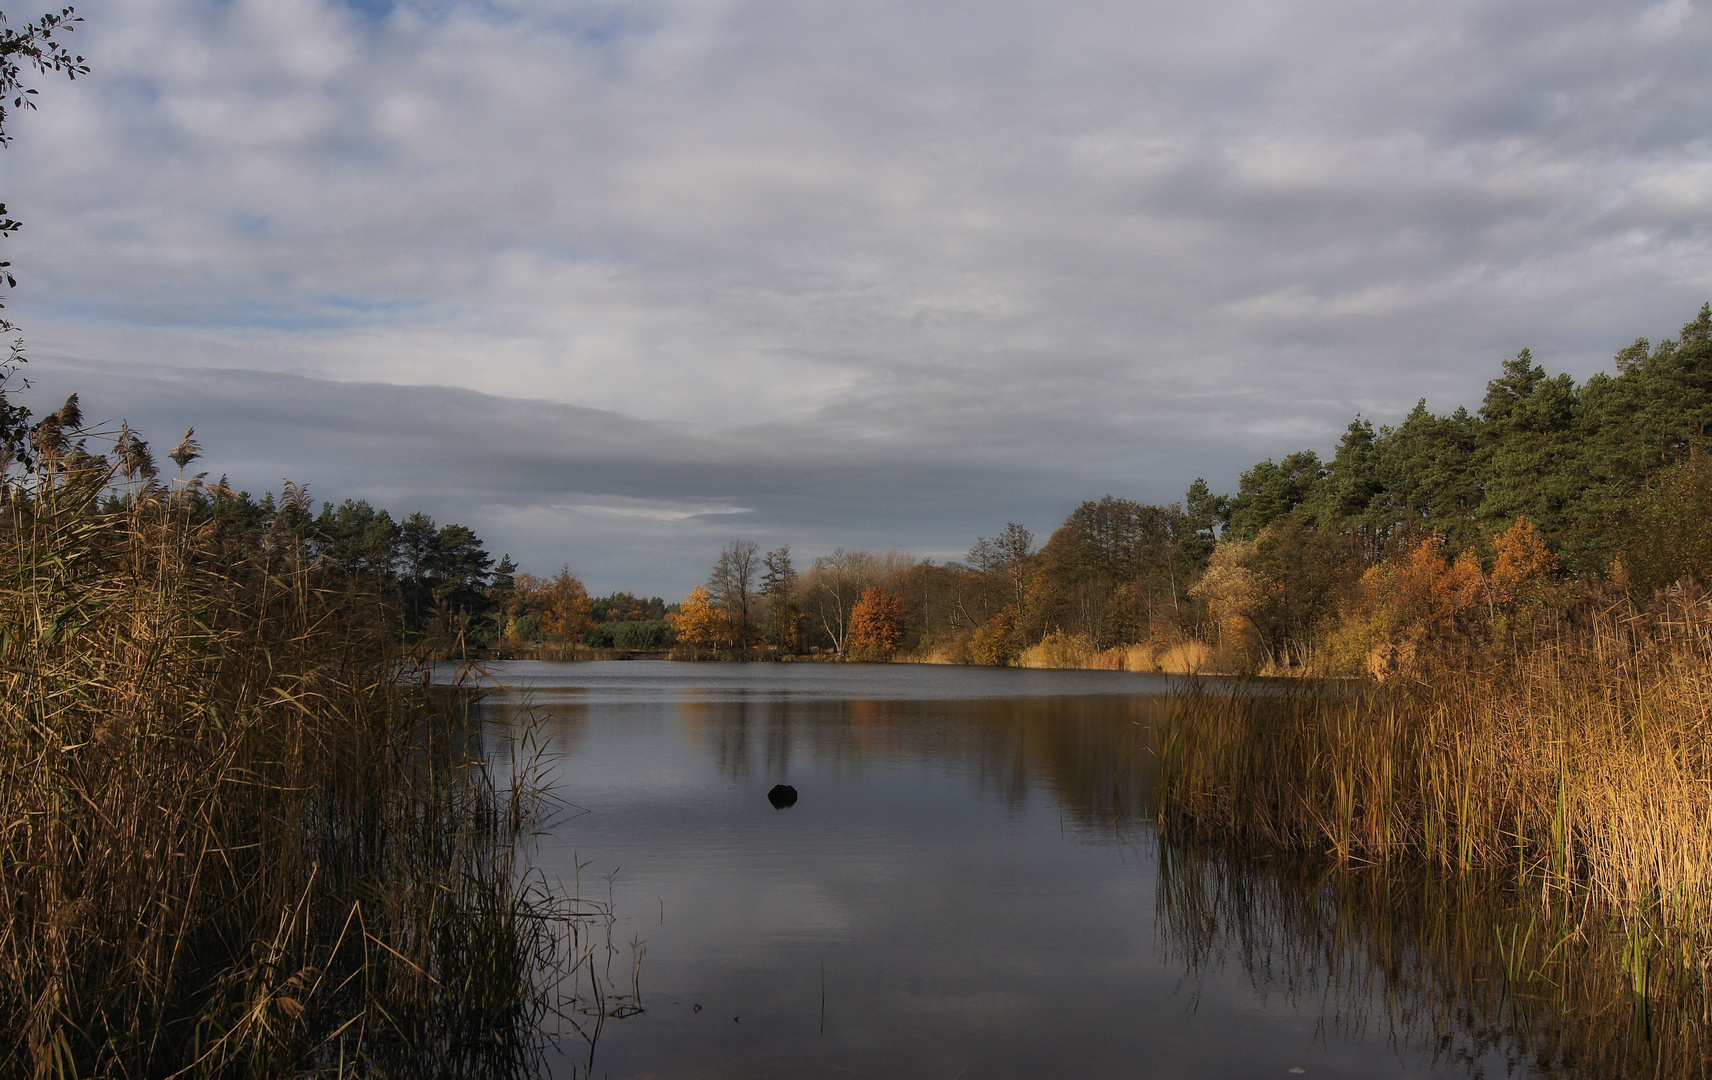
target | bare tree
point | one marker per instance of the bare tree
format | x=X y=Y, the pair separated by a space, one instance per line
x=735 y=575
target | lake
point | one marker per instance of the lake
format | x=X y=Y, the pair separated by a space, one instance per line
x=968 y=885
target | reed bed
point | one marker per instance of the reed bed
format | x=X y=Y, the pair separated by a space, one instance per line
x=1580 y=769
x=238 y=830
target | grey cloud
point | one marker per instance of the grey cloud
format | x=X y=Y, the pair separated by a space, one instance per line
x=627 y=503
x=903 y=270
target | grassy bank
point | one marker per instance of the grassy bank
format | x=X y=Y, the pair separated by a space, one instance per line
x=1580 y=767
x=239 y=833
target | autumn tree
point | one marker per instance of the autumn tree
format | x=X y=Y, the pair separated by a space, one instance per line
x=1522 y=564
x=878 y=623
x=832 y=589
x=556 y=607
x=1231 y=589
x=1408 y=608
x=997 y=642
x=565 y=612
x=700 y=624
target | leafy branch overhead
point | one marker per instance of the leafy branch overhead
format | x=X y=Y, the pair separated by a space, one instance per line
x=38 y=46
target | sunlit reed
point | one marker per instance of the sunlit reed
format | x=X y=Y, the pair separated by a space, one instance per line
x=1579 y=772
x=240 y=832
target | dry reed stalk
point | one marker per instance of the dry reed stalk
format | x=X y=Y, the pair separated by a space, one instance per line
x=237 y=832
x=1582 y=767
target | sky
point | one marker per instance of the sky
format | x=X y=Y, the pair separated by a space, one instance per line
x=616 y=283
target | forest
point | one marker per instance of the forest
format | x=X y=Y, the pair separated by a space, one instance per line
x=1451 y=530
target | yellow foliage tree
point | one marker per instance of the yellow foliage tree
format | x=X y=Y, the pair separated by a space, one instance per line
x=700 y=625
x=1230 y=588
x=995 y=641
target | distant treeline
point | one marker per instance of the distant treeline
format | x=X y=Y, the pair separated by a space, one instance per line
x=1441 y=527
x=441 y=580
x=1458 y=527
x=436 y=582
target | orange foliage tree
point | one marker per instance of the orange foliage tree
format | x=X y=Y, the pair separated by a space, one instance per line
x=1424 y=602
x=1424 y=591
x=878 y=623
x=699 y=624
x=1408 y=605
x=560 y=602
x=1522 y=565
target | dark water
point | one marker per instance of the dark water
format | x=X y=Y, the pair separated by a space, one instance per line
x=968 y=885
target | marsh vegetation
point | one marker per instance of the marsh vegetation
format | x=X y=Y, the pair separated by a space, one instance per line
x=1557 y=802
x=242 y=833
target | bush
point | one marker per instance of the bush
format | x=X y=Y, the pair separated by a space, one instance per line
x=645 y=634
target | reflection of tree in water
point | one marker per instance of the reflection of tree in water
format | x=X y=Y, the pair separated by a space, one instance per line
x=1091 y=753
x=560 y=725
x=731 y=730
x=1448 y=968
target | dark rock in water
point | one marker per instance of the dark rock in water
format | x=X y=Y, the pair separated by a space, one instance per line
x=782 y=795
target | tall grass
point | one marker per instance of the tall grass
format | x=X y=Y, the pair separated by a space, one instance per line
x=1173 y=657
x=1580 y=767
x=238 y=831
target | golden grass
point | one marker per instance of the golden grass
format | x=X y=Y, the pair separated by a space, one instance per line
x=1186 y=658
x=238 y=833
x=1583 y=766
x=1061 y=650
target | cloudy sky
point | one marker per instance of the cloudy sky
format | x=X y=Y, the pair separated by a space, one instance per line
x=613 y=283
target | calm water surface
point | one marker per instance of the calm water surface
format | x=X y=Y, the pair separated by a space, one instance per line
x=968 y=886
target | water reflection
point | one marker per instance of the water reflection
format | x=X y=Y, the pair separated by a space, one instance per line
x=1458 y=971
x=1090 y=755
x=969 y=884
